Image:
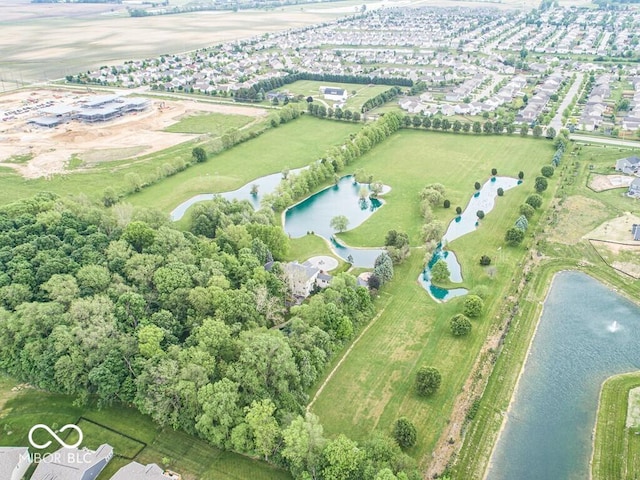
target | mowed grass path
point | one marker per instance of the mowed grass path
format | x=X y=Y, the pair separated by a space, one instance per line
x=375 y=385
x=292 y=145
x=188 y=455
x=616 y=452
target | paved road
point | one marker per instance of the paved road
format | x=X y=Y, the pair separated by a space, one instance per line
x=608 y=141
x=556 y=123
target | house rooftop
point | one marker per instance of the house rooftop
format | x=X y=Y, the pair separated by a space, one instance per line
x=10 y=458
x=137 y=471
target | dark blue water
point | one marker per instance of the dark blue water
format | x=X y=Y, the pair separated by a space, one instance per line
x=314 y=214
x=586 y=334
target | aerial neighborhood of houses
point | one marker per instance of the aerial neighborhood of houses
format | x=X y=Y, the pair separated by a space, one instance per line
x=512 y=66
x=74 y=464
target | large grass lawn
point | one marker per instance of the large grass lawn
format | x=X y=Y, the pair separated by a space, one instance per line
x=412 y=159
x=215 y=124
x=292 y=145
x=375 y=385
x=191 y=457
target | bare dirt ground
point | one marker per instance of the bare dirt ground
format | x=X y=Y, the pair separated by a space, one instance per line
x=615 y=230
x=600 y=183
x=134 y=134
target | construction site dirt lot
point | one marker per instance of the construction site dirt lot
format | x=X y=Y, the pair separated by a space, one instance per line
x=40 y=152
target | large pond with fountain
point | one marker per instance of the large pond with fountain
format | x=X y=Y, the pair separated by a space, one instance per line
x=484 y=199
x=586 y=334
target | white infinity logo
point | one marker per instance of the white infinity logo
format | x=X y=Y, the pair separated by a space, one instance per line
x=53 y=434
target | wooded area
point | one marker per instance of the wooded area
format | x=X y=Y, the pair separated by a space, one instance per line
x=116 y=306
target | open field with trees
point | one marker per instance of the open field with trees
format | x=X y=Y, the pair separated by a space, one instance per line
x=294 y=145
x=410 y=160
x=375 y=385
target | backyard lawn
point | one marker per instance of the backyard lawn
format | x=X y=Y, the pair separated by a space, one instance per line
x=354 y=101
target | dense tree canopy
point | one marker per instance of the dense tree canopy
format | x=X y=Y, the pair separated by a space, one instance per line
x=177 y=323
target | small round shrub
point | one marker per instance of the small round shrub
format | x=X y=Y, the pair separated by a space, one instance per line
x=472 y=306
x=485 y=260
x=428 y=381
x=547 y=171
x=460 y=325
x=404 y=431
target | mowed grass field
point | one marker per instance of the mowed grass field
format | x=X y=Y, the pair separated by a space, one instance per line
x=616 y=448
x=292 y=145
x=354 y=102
x=191 y=457
x=215 y=124
x=375 y=384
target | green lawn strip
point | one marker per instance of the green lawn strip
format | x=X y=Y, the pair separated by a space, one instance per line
x=456 y=161
x=188 y=455
x=309 y=246
x=292 y=145
x=616 y=448
x=215 y=124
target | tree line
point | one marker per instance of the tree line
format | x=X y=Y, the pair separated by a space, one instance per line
x=116 y=306
x=295 y=187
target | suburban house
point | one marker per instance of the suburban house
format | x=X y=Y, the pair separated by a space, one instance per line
x=335 y=94
x=137 y=471
x=629 y=165
x=634 y=188
x=635 y=230
x=303 y=278
x=74 y=464
x=14 y=462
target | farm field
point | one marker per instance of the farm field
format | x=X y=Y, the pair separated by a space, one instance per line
x=292 y=145
x=191 y=457
x=45 y=42
x=375 y=383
